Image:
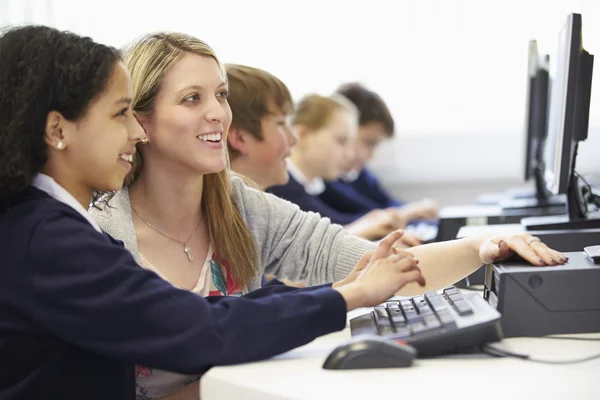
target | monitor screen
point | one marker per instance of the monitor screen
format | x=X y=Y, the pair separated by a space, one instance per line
x=558 y=145
x=532 y=65
x=536 y=112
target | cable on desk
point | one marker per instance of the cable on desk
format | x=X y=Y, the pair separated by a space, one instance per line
x=570 y=338
x=495 y=352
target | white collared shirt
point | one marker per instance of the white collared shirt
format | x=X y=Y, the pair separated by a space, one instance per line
x=314 y=187
x=351 y=175
x=53 y=189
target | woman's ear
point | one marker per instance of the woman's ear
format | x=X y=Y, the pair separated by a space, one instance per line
x=54 y=134
x=237 y=139
x=142 y=120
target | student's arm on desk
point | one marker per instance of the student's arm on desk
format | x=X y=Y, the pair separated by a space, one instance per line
x=445 y=263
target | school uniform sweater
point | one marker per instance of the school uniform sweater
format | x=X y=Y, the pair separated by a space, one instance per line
x=295 y=192
x=77 y=312
x=358 y=196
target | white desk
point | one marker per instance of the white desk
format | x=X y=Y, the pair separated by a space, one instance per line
x=501 y=229
x=298 y=375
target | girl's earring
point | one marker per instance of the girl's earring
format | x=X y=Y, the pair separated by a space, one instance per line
x=60 y=145
x=145 y=140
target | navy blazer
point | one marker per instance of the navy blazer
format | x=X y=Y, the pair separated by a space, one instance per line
x=294 y=191
x=359 y=196
x=77 y=313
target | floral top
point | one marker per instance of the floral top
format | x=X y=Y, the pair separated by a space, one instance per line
x=214 y=280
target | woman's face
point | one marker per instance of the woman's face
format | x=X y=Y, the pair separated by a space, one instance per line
x=190 y=118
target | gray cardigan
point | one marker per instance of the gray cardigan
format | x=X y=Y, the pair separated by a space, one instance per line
x=291 y=243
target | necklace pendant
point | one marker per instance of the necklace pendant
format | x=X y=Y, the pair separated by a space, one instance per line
x=188 y=252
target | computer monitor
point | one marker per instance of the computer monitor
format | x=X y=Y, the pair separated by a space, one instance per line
x=536 y=116
x=567 y=125
x=536 y=123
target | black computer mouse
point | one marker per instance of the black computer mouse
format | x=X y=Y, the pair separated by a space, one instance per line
x=370 y=352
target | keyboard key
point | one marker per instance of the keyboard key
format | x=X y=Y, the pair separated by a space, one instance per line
x=403 y=331
x=386 y=330
x=446 y=318
x=397 y=317
x=463 y=308
x=451 y=290
x=380 y=312
x=453 y=298
x=406 y=304
x=432 y=321
x=412 y=317
x=436 y=301
x=422 y=306
x=384 y=325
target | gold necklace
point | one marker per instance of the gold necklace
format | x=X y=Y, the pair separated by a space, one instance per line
x=186 y=248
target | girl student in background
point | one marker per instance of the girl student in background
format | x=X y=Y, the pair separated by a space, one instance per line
x=326 y=128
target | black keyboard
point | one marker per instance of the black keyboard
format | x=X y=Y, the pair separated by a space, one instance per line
x=435 y=323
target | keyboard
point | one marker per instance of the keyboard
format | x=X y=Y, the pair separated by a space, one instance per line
x=435 y=323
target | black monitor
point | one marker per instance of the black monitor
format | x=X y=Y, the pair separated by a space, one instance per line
x=567 y=126
x=536 y=116
x=536 y=123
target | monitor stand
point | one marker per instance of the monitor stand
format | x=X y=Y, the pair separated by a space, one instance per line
x=518 y=193
x=533 y=202
x=578 y=215
x=541 y=199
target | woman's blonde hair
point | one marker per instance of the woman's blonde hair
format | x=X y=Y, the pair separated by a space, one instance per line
x=315 y=111
x=148 y=60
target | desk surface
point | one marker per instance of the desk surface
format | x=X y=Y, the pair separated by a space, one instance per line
x=501 y=229
x=298 y=375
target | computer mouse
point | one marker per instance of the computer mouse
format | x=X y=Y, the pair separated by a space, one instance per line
x=363 y=352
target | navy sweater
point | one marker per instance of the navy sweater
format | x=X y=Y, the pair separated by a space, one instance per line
x=77 y=313
x=358 y=197
x=294 y=191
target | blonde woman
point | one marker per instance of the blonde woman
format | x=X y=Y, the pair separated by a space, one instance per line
x=182 y=216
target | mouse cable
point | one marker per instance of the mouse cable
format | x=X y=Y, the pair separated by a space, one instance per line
x=495 y=352
x=571 y=338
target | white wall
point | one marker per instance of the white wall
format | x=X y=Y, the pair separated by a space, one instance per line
x=429 y=157
x=452 y=71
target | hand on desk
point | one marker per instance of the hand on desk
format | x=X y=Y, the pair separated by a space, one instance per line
x=531 y=248
x=376 y=224
x=423 y=209
x=379 y=274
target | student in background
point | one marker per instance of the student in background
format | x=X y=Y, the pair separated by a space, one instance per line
x=260 y=137
x=326 y=129
x=359 y=191
x=76 y=311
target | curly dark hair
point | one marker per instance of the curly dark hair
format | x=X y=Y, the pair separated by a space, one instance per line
x=371 y=107
x=43 y=70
